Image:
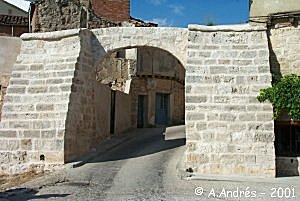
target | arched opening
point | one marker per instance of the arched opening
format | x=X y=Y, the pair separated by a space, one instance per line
x=147 y=88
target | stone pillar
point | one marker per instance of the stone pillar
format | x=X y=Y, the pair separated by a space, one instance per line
x=36 y=105
x=228 y=131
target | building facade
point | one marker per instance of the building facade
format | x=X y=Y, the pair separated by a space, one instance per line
x=51 y=15
x=13 y=18
x=282 y=19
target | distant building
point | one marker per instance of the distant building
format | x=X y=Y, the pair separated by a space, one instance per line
x=55 y=15
x=285 y=12
x=14 y=17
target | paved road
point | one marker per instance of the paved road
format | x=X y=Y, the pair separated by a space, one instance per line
x=144 y=168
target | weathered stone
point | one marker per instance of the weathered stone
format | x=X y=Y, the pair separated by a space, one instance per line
x=36 y=90
x=16 y=90
x=8 y=134
x=44 y=107
x=225 y=71
x=26 y=144
x=195 y=116
x=196 y=99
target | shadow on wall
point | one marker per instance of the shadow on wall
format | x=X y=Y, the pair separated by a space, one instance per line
x=24 y=194
x=87 y=125
x=274 y=63
x=81 y=135
x=287 y=166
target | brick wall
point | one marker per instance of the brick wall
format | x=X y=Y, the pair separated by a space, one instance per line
x=115 y=10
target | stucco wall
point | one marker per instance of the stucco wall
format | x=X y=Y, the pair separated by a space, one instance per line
x=102 y=108
x=9 y=50
x=122 y=112
x=284 y=50
x=287 y=166
x=5 y=7
x=264 y=8
x=154 y=61
x=151 y=86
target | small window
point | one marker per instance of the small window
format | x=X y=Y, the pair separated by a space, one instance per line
x=121 y=54
x=9 y=11
x=287 y=138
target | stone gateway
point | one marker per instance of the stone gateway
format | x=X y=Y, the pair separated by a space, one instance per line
x=54 y=108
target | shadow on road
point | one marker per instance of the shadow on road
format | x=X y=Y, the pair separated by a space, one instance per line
x=147 y=141
x=24 y=194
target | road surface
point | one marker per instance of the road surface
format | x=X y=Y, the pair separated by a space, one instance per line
x=144 y=168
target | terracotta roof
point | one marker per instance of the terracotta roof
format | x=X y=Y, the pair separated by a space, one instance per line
x=13 y=20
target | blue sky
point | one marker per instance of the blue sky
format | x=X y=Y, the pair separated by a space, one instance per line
x=180 y=13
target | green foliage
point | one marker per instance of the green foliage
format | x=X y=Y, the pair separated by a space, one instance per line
x=284 y=96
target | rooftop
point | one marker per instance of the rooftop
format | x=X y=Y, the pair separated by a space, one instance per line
x=13 y=20
x=21 y=4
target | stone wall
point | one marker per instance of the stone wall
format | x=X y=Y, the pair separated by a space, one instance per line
x=36 y=105
x=228 y=131
x=49 y=109
x=284 y=50
x=114 y=71
x=81 y=136
x=172 y=40
x=52 y=15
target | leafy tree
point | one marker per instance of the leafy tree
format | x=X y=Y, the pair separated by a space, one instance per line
x=284 y=96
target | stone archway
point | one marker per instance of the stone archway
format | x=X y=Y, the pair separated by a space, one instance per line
x=97 y=44
x=48 y=113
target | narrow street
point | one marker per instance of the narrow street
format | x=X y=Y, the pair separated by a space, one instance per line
x=143 y=168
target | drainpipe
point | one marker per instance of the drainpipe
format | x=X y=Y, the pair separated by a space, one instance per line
x=12 y=30
x=29 y=19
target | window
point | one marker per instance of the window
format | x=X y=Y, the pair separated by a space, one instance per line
x=121 y=54
x=287 y=138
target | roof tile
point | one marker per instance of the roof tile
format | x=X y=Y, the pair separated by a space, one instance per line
x=13 y=20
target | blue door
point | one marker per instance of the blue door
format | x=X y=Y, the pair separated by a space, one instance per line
x=162 y=109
